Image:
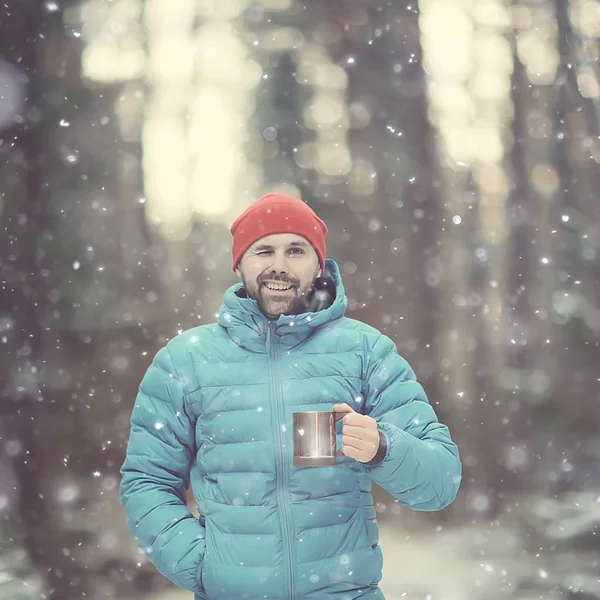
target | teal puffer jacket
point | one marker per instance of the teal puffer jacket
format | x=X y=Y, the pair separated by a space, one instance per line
x=215 y=408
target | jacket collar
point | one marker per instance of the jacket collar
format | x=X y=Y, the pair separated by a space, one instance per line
x=249 y=328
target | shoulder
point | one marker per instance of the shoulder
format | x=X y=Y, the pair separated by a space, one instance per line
x=194 y=335
x=191 y=340
x=359 y=326
x=179 y=356
x=373 y=343
x=357 y=336
x=361 y=332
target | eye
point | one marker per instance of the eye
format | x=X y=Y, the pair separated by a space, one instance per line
x=296 y=250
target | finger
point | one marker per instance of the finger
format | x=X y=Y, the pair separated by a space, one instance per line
x=351 y=452
x=352 y=443
x=354 y=431
x=355 y=418
x=343 y=408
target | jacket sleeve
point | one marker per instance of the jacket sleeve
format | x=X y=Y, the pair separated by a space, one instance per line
x=155 y=477
x=421 y=468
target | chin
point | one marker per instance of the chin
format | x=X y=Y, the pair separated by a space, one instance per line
x=275 y=313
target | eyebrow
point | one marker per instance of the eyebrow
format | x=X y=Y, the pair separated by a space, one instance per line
x=262 y=247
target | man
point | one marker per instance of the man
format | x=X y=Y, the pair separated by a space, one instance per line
x=216 y=407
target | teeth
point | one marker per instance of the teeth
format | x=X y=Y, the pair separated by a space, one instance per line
x=278 y=287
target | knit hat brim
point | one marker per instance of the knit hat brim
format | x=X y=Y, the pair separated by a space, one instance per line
x=276 y=213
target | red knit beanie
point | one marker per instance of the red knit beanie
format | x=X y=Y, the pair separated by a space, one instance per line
x=276 y=213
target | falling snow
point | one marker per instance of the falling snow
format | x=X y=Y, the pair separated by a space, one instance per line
x=460 y=191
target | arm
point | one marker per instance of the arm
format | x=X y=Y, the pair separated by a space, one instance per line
x=155 y=477
x=421 y=467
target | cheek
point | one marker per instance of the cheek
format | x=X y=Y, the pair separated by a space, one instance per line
x=310 y=274
x=252 y=273
x=306 y=284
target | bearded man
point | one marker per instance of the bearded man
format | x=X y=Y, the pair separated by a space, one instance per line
x=215 y=409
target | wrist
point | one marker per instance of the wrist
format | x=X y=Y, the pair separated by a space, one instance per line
x=381 y=451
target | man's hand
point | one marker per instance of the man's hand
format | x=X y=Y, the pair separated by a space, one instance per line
x=360 y=436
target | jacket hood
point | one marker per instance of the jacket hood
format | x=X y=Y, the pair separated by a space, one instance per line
x=249 y=327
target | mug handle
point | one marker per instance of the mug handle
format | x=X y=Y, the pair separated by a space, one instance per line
x=337 y=416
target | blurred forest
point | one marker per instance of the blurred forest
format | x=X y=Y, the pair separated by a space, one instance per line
x=453 y=148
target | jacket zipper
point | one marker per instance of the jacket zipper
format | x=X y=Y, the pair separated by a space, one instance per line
x=282 y=468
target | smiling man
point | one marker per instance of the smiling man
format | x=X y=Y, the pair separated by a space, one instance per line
x=279 y=272
x=216 y=407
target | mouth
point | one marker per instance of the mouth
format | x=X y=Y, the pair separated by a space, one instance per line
x=273 y=286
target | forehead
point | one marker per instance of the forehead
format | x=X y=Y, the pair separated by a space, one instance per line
x=281 y=239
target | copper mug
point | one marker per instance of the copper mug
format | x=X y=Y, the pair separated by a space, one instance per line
x=314 y=438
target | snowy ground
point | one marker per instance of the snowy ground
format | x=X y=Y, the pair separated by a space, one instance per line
x=452 y=564
x=422 y=561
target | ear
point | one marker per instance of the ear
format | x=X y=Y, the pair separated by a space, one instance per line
x=238 y=272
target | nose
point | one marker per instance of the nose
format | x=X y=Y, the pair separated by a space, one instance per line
x=279 y=264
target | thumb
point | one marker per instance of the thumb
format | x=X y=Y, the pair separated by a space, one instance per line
x=343 y=408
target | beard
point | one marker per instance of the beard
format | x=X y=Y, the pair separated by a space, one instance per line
x=272 y=305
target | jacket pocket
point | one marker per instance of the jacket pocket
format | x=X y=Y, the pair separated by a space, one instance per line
x=208 y=582
x=201 y=595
